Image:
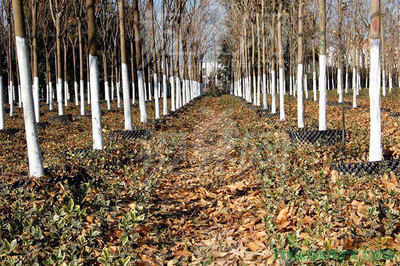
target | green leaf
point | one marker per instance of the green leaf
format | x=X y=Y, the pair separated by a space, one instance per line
x=61 y=224
x=132 y=214
x=292 y=240
x=13 y=244
x=107 y=255
x=70 y=205
x=7 y=245
x=127 y=260
x=102 y=260
x=124 y=240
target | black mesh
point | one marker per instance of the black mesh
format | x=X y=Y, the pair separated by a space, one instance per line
x=368 y=168
x=315 y=136
x=8 y=132
x=129 y=135
x=62 y=118
x=338 y=104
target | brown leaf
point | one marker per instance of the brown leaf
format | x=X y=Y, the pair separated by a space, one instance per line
x=218 y=254
x=89 y=219
x=253 y=246
x=282 y=216
x=334 y=176
x=181 y=253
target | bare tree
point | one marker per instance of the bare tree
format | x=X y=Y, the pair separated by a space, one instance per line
x=124 y=69
x=36 y=168
x=322 y=66
x=375 y=148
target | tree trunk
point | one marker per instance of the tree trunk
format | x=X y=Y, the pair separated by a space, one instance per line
x=66 y=90
x=35 y=73
x=49 y=82
x=339 y=74
x=117 y=86
x=2 y=126
x=81 y=75
x=264 y=51
x=273 y=61
x=177 y=72
x=133 y=68
x=75 y=80
x=124 y=69
x=94 y=78
x=258 y=61
x=138 y=47
x=88 y=75
x=153 y=45
x=32 y=138
x=300 y=100
x=164 y=61
x=281 y=66
x=59 y=66
x=375 y=148
x=10 y=72
x=322 y=67
x=253 y=63
x=106 y=84
x=383 y=57
x=313 y=53
x=354 y=83
x=172 y=78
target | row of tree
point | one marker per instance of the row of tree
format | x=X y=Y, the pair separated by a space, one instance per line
x=283 y=35
x=167 y=43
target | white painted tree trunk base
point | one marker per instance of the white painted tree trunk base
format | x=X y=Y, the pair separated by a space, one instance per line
x=142 y=103
x=264 y=92
x=354 y=88
x=36 y=98
x=178 y=93
x=51 y=96
x=10 y=98
x=165 y=95
x=322 y=93
x=300 y=100
x=126 y=97
x=107 y=92
x=156 y=95
x=273 y=92
x=315 y=97
x=172 y=81
x=76 y=86
x=97 y=128
x=35 y=160
x=82 y=94
x=282 y=116
x=375 y=148
x=60 y=96
x=118 y=95
x=340 y=85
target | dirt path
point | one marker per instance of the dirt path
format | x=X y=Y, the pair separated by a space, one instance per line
x=211 y=208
